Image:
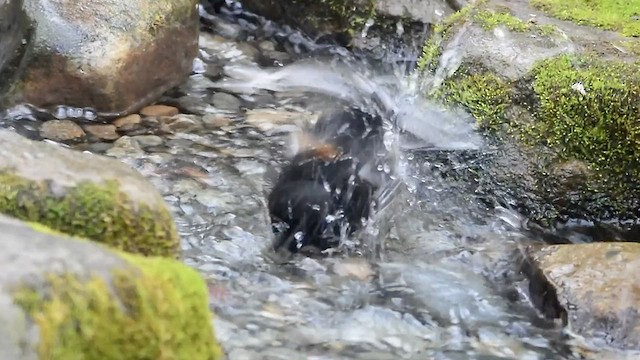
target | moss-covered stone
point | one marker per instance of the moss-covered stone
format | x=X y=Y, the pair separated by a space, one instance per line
x=84 y=195
x=616 y=15
x=157 y=309
x=633 y=46
x=478 y=13
x=484 y=94
x=569 y=108
x=100 y=212
x=64 y=297
x=432 y=48
x=590 y=109
x=489 y=19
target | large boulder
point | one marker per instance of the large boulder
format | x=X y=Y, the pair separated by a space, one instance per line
x=84 y=195
x=561 y=99
x=64 y=298
x=114 y=56
x=593 y=288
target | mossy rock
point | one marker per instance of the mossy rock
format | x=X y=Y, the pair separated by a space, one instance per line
x=618 y=15
x=69 y=298
x=573 y=117
x=84 y=195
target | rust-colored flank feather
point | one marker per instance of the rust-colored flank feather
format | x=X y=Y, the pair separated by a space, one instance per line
x=326 y=151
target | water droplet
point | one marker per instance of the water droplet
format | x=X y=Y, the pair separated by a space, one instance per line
x=326 y=185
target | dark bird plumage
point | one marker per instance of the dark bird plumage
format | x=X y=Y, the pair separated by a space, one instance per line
x=321 y=194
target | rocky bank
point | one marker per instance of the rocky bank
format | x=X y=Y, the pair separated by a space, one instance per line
x=65 y=297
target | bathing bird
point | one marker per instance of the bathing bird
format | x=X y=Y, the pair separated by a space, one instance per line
x=327 y=190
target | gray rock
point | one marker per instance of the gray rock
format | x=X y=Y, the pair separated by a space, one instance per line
x=195 y=105
x=121 y=56
x=509 y=53
x=148 y=140
x=182 y=122
x=126 y=145
x=225 y=101
x=33 y=259
x=279 y=56
x=249 y=50
x=73 y=191
x=215 y=121
x=213 y=71
x=593 y=288
x=429 y=12
x=266 y=46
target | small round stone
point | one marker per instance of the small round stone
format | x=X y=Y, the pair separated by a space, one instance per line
x=61 y=130
x=159 y=110
x=248 y=50
x=103 y=132
x=148 y=140
x=225 y=101
x=132 y=119
x=181 y=122
x=267 y=46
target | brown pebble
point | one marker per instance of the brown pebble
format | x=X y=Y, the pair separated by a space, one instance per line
x=159 y=110
x=132 y=119
x=61 y=130
x=104 y=132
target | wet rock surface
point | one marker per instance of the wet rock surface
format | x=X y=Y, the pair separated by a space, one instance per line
x=83 y=195
x=80 y=59
x=55 y=291
x=593 y=288
x=518 y=72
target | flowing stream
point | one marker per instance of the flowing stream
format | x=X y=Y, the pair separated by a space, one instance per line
x=434 y=276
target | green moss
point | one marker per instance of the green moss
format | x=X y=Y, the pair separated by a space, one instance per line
x=483 y=94
x=431 y=52
x=157 y=310
x=489 y=20
x=432 y=48
x=99 y=212
x=618 y=15
x=631 y=46
x=589 y=109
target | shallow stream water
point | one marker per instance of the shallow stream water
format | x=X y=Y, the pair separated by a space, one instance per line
x=435 y=276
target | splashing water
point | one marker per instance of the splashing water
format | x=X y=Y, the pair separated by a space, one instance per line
x=444 y=283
